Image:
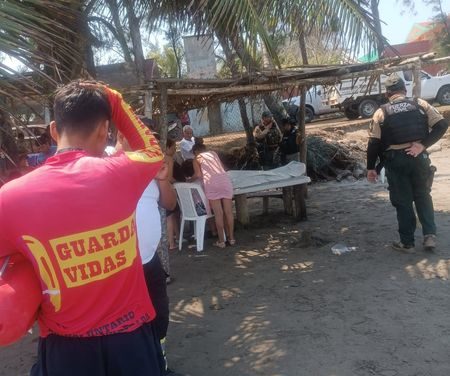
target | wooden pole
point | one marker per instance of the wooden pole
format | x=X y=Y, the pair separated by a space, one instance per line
x=163 y=247
x=148 y=104
x=302 y=125
x=242 y=214
x=417 y=85
x=163 y=117
x=300 y=191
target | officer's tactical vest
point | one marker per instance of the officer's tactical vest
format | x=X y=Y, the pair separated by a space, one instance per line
x=404 y=121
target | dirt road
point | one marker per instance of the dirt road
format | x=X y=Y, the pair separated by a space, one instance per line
x=281 y=304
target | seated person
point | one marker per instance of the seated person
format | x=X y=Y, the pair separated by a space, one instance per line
x=186 y=145
x=268 y=136
x=289 y=149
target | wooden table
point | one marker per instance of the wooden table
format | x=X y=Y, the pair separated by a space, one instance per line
x=240 y=194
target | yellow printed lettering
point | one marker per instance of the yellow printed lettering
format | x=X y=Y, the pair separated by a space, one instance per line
x=63 y=251
x=133 y=227
x=124 y=234
x=84 y=275
x=78 y=247
x=97 y=254
x=109 y=240
x=121 y=258
x=109 y=265
x=71 y=273
x=94 y=245
x=95 y=268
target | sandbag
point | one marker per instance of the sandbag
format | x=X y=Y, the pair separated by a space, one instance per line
x=20 y=298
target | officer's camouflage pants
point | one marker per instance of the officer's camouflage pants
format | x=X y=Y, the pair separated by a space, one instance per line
x=408 y=183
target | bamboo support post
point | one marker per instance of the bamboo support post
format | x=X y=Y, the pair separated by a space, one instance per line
x=163 y=118
x=266 y=205
x=417 y=86
x=300 y=191
x=287 y=200
x=148 y=104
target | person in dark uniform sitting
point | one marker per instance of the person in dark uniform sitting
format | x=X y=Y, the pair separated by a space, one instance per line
x=289 y=148
x=402 y=130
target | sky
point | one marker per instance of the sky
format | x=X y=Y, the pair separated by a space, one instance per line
x=398 y=20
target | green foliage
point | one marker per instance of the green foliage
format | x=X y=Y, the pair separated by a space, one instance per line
x=166 y=61
x=37 y=34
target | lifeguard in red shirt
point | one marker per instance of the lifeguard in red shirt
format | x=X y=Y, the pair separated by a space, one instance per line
x=74 y=219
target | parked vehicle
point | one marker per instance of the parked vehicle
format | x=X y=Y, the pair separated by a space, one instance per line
x=362 y=96
x=316 y=103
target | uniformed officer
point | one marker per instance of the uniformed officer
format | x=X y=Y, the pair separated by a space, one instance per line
x=268 y=136
x=400 y=132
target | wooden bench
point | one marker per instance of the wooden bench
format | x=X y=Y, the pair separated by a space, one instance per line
x=241 y=195
x=265 y=195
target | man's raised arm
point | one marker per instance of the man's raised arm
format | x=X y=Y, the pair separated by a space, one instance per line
x=137 y=134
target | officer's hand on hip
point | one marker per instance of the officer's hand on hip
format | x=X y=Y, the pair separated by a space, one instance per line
x=372 y=176
x=415 y=149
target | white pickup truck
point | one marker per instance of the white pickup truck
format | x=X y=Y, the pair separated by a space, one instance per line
x=316 y=103
x=356 y=99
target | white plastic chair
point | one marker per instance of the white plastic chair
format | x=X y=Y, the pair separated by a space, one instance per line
x=188 y=212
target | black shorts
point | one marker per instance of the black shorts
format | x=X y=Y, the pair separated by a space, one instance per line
x=137 y=353
x=155 y=278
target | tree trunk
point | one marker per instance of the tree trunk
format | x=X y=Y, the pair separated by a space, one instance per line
x=173 y=40
x=252 y=65
x=215 y=119
x=136 y=40
x=120 y=33
x=246 y=121
x=302 y=44
x=87 y=38
x=230 y=59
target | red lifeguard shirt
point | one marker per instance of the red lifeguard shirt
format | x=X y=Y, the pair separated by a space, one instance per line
x=73 y=218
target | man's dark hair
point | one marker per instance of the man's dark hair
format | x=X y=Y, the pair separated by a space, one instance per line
x=79 y=106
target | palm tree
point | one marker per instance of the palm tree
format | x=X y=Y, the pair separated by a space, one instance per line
x=247 y=24
x=39 y=48
x=255 y=21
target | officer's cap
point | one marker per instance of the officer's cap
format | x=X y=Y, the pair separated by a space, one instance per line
x=266 y=114
x=394 y=83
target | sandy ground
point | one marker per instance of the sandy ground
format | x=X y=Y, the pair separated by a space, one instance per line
x=281 y=304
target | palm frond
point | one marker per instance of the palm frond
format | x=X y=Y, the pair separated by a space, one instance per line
x=38 y=34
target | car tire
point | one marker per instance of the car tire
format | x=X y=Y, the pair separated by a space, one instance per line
x=367 y=108
x=443 y=96
x=309 y=115
x=351 y=114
